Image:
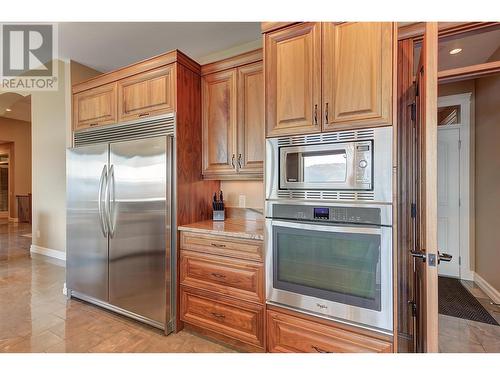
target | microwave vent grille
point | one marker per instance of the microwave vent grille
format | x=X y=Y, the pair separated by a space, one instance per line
x=344 y=136
x=327 y=195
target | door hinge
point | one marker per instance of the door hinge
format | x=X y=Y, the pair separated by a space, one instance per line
x=413 y=210
x=413 y=110
x=459 y=260
x=459 y=144
x=415 y=85
x=413 y=307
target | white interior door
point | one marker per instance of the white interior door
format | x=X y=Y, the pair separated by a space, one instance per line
x=448 y=199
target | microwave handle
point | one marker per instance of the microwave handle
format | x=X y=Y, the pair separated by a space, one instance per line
x=327 y=228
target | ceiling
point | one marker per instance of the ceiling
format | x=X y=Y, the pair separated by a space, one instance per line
x=106 y=46
x=20 y=106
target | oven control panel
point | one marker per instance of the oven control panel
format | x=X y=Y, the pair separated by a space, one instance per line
x=333 y=214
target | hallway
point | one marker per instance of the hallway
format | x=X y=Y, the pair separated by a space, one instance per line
x=36 y=317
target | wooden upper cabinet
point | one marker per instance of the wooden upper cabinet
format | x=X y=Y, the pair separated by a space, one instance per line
x=250 y=133
x=357 y=74
x=147 y=94
x=95 y=107
x=293 y=79
x=219 y=123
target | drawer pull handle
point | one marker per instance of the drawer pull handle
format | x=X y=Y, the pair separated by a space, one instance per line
x=218 y=275
x=94 y=124
x=217 y=245
x=218 y=316
x=319 y=350
x=144 y=114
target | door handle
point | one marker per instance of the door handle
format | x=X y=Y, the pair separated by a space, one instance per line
x=315 y=114
x=239 y=160
x=326 y=113
x=104 y=176
x=319 y=350
x=110 y=209
x=443 y=257
x=232 y=161
x=419 y=255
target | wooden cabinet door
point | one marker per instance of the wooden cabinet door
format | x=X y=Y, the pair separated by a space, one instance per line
x=293 y=80
x=219 y=123
x=251 y=134
x=95 y=107
x=147 y=94
x=357 y=74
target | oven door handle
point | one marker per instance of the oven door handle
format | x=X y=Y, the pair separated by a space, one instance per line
x=327 y=228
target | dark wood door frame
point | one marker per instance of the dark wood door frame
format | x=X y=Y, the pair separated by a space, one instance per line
x=408 y=37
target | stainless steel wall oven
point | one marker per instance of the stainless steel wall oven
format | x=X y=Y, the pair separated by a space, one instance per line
x=332 y=261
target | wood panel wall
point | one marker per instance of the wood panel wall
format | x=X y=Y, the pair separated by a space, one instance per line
x=194 y=195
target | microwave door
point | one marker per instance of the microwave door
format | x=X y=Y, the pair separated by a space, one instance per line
x=327 y=166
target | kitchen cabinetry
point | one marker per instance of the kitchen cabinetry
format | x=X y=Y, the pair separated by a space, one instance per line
x=147 y=94
x=233 y=117
x=289 y=332
x=357 y=74
x=293 y=79
x=222 y=288
x=95 y=106
x=219 y=123
x=328 y=76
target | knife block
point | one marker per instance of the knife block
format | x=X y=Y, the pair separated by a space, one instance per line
x=218 y=215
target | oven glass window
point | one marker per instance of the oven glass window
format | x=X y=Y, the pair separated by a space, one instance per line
x=316 y=167
x=340 y=267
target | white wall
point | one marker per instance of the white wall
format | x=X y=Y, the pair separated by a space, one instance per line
x=50 y=113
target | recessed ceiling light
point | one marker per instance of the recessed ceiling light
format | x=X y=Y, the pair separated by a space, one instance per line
x=454 y=51
x=8 y=110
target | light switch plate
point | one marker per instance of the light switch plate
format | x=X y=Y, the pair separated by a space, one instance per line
x=242 y=201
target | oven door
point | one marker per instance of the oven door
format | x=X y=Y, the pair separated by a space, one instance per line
x=338 y=272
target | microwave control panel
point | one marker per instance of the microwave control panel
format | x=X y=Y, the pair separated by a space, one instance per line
x=363 y=162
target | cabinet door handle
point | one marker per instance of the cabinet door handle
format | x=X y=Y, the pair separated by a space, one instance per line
x=239 y=160
x=315 y=114
x=232 y=161
x=218 y=275
x=218 y=245
x=94 y=124
x=326 y=113
x=319 y=350
x=144 y=114
x=218 y=316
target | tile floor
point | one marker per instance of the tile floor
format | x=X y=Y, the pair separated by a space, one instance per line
x=36 y=317
x=465 y=336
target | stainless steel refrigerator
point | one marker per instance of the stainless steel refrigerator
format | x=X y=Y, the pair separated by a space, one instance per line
x=119 y=227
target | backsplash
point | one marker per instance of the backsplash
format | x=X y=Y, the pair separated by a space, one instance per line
x=252 y=190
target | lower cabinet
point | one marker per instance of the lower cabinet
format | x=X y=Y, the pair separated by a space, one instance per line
x=226 y=316
x=292 y=334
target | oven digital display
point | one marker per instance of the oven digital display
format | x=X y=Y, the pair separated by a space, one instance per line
x=321 y=213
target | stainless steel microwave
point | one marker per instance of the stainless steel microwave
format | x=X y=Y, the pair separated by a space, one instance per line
x=326 y=166
x=354 y=165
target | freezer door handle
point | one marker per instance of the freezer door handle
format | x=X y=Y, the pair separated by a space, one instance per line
x=110 y=201
x=104 y=177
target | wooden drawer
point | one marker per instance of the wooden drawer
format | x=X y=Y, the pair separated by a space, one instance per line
x=223 y=315
x=225 y=246
x=290 y=334
x=232 y=277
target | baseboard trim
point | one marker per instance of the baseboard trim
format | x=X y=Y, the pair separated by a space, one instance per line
x=48 y=252
x=487 y=288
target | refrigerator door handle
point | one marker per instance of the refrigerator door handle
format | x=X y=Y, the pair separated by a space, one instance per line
x=110 y=201
x=104 y=176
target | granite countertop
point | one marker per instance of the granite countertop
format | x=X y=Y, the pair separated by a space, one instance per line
x=231 y=227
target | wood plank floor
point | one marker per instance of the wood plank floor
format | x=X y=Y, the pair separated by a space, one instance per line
x=36 y=317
